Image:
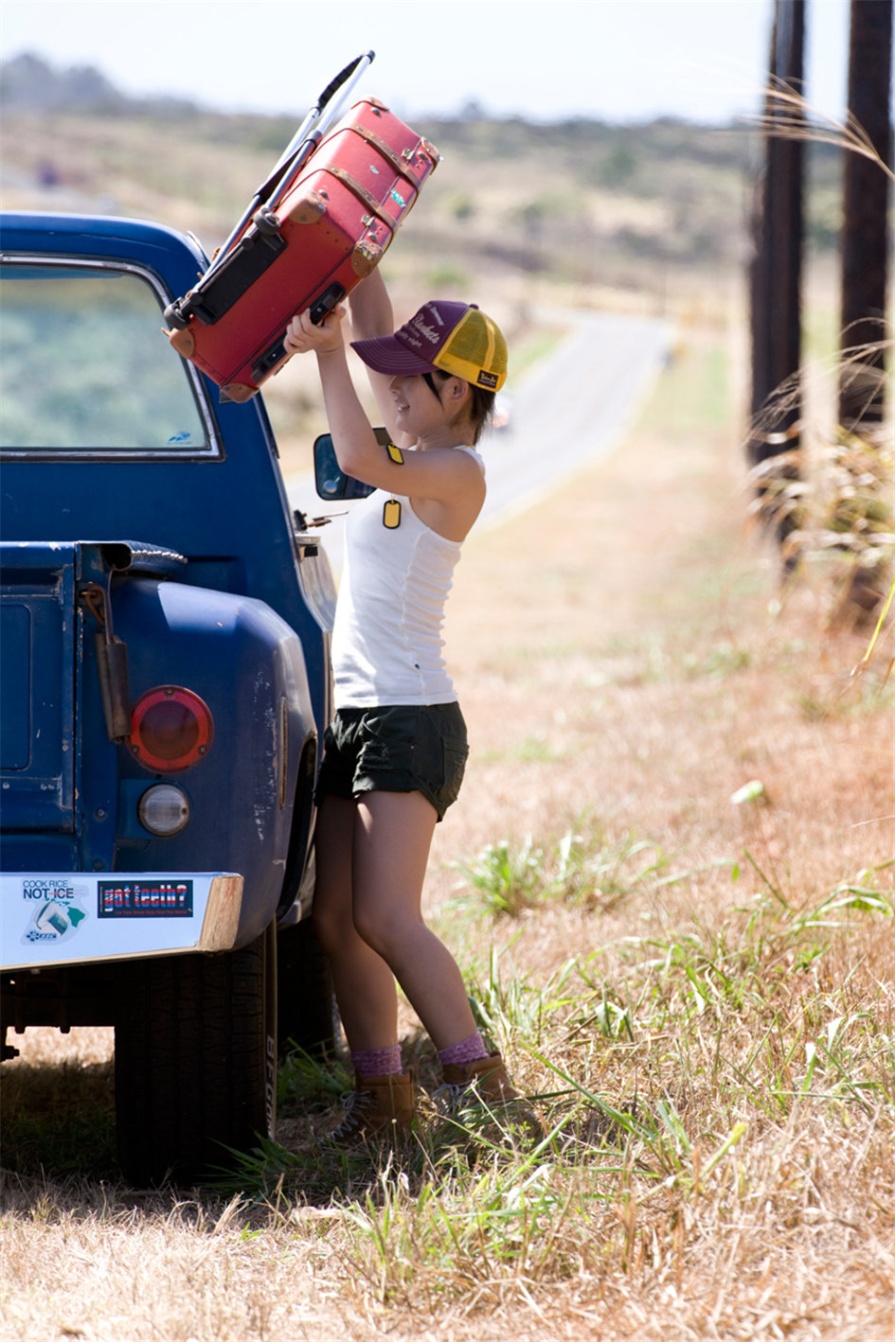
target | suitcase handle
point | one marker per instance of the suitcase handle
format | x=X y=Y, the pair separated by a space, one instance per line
x=334 y=85
x=299 y=148
x=317 y=121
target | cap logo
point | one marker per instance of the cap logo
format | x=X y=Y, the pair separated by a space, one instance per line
x=428 y=332
x=485 y=379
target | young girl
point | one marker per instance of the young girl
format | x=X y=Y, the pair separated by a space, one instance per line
x=395 y=753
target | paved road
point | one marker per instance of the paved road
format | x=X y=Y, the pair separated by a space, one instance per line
x=570 y=410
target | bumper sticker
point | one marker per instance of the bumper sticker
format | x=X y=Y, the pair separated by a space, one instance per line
x=79 y=917
x=152 y=899
x=54 y=908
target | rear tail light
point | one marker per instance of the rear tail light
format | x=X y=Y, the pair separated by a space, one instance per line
x=171 y=729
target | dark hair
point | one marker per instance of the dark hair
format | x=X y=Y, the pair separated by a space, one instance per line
x=481 y=402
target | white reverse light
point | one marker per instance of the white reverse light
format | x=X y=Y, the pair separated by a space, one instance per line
x=164 y=810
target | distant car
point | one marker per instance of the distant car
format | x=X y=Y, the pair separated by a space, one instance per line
x=165 y=684
x=502 y=418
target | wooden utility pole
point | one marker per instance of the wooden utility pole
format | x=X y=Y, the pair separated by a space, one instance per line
x=776 y=278
x=865 y=235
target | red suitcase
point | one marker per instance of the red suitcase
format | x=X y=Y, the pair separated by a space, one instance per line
x=326 y=226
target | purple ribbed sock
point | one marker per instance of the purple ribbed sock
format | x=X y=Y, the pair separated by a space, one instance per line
x=377 y=1061
x=468 y=1050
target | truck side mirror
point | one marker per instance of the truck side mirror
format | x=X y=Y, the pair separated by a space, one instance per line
x=331 y=481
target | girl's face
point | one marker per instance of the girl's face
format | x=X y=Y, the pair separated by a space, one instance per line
x=420 y=411
x=417 y=410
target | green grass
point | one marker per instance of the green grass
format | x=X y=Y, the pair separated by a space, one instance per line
x=528 y=351
x=589 y=869
x=696 y=399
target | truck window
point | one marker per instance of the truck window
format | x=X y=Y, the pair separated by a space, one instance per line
x=85 y=366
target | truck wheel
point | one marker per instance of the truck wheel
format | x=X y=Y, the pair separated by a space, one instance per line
x=306 y=1005
x=195 y=1061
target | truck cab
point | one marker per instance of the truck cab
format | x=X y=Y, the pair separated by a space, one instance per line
x=164 y=685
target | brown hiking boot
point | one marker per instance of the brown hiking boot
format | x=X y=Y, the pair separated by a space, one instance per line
x=379 y=1106
x=488 y=1077
x=486 y=1082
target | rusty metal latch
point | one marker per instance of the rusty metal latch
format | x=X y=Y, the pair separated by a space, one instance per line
x=111 y=661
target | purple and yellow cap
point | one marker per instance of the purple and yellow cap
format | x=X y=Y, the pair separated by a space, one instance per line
x=456 y=338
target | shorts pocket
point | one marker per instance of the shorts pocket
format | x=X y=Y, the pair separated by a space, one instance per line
x=455 y=755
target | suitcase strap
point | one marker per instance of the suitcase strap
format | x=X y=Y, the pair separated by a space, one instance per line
x=366 y=197
x=382 y=147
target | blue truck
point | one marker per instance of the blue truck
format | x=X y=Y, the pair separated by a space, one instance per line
x=164 y=684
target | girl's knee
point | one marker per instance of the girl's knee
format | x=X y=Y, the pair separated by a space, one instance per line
x=368 y=928
x=333 y=926
x=391 y=936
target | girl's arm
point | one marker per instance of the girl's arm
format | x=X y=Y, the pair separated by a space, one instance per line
x=355 y=443
x=371 y=316
x=371 y=308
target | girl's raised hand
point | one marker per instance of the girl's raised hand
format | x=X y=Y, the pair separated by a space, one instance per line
x=304 y=337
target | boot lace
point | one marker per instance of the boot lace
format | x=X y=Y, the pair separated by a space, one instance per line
x=355 y=1107
x=451 y=1096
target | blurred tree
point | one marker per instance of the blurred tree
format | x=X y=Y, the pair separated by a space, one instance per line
x=620 y=166
x=462 y=207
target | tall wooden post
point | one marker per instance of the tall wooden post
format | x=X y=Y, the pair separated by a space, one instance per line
x=776 y=278
x=865 y=236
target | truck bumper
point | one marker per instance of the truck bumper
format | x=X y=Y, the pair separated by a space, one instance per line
x=78 y=917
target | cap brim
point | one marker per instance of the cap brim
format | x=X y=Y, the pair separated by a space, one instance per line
x=385 y=354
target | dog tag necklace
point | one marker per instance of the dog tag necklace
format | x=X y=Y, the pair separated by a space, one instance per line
x=391 y=511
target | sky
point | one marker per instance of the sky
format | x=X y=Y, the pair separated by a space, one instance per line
x=614 y=60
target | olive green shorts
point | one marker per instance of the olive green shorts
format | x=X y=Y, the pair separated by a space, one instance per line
x=398 y=748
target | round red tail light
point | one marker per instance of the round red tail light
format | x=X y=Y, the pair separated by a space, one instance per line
x=171 y=729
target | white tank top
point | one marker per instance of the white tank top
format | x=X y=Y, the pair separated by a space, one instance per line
x=387 y=643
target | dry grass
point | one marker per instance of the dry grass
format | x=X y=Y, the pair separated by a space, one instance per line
x=716 y=1053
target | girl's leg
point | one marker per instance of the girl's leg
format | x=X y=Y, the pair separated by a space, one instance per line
x=364 y=983
x=392 y=837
